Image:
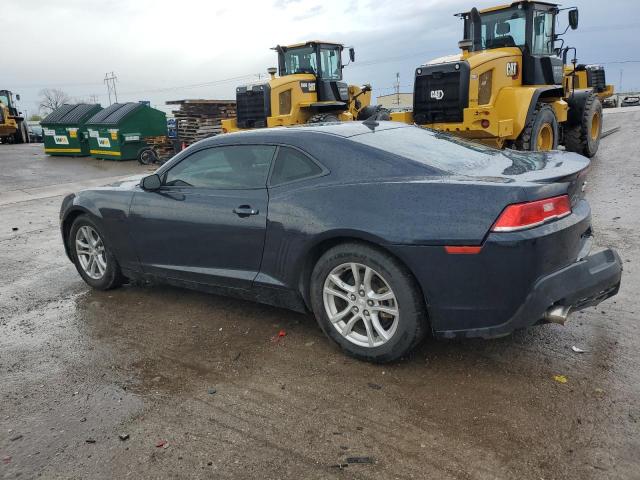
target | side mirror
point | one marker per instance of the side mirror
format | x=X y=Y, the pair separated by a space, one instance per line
x=151 y=182
x=573 y=18
x=18 y=96
x=352 y=54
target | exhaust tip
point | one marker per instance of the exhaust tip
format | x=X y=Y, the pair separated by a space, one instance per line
x=557 y=314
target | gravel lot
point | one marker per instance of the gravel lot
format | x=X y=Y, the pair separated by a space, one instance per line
x=210 y=377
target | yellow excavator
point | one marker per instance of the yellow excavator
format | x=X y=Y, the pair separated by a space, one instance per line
x=13 y=128
x=511 y=85
x=308 y=89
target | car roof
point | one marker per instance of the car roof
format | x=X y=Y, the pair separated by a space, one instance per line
x=338 y=129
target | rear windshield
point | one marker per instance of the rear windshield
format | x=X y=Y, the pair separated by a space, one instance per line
x=448 y=153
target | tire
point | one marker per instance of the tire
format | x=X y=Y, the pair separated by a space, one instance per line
x=403 y=331
x=584 y=137
x=21 y=135
x=543 y=125
x=374 y=112
x=324 y=118
x=147 y=156
x=111 y=276
x=383 y=114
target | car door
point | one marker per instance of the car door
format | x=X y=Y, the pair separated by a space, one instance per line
x=207 y=221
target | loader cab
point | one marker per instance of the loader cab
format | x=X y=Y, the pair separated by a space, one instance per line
x=6 y=98
x=529 y=26
x=320 y=59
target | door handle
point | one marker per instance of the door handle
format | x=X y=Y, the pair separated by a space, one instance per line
x=245 y=211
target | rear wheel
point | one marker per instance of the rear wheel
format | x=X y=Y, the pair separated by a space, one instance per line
x=147 y=156
x=323 y=118
x=374 y=112
x=94 y=260
x=367 y=302
x=21 y=135
x=584 y=137
x=541 y=132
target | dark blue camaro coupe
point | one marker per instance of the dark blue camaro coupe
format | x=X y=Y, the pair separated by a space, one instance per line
x=384 y=231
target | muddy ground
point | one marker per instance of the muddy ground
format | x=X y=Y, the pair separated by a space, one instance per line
x=80 y=367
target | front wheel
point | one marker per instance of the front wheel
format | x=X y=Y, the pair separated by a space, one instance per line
x=324 y=118
x=94 y=261
x=367 y=302
x=540 y=134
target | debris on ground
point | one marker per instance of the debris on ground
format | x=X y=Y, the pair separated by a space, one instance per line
x=15 y=229
x=375 y=386
x=560 y=378
x=123 y=436
x=6 y=460
x=90 y=440
x=83 y=419
x=339 y=465
x=162 y=444
x=577 y=349
x=16 y=437
x=211 y=391
x=361 y=460
x=281 y=334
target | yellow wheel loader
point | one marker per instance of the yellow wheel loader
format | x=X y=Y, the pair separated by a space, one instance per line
x=308 y=89
x=13 y=127
x=512 y=86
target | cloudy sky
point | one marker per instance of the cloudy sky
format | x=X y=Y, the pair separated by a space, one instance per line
x=163 y=50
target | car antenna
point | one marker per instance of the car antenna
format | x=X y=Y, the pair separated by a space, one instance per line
x=371 y=123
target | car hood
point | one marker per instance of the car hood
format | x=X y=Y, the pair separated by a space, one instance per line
x=128 y=182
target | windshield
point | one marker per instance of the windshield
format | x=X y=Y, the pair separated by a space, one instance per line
x=542 y=33
x=299 y=60
x=4 y=99
x=502 y=28
x=330 y=63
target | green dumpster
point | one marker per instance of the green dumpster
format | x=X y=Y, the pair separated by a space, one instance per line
x=64 y=130
x=119 y=132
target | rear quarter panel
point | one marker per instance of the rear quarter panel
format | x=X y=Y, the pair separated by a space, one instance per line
x=414 y=213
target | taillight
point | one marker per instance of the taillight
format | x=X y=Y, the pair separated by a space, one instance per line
x=531 y=214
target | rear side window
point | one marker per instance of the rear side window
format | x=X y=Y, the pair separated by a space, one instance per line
x=232 y=167
x=293 y=165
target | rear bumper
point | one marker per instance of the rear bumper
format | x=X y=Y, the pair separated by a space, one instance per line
x=582 y=284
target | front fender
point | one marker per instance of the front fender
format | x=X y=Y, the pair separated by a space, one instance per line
x=109 y=209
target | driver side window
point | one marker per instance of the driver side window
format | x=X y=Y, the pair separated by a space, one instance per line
x=230 y=167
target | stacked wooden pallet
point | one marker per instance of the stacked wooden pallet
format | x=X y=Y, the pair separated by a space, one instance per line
x=198 y=119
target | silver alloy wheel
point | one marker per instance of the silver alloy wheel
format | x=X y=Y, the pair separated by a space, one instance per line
x=90 y=252
x=361 y=305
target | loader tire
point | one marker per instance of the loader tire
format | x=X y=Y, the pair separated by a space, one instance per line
x=374 y=112
x=541 y=131
x=21 y=135
x=324 y=118
x=584 y=137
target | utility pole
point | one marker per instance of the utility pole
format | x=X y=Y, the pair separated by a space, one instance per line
x=397 y=87
x=620 y=83
x=110 y=80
